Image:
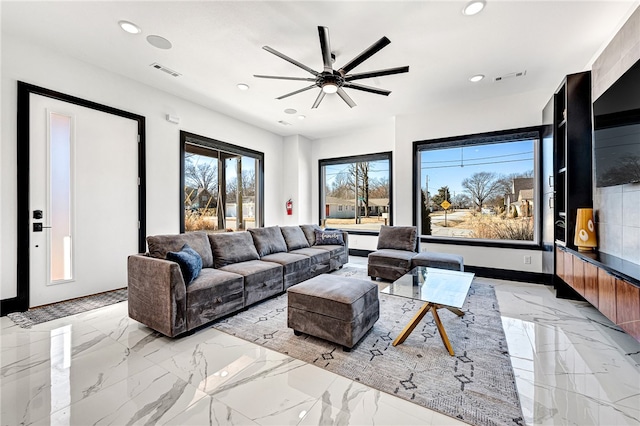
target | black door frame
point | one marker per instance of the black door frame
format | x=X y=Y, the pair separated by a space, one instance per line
x=21 y=301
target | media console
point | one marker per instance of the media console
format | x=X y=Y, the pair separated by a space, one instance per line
x=609 y=283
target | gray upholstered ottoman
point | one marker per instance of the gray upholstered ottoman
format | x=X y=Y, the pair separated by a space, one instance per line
x=334 y=308
x=449 y=261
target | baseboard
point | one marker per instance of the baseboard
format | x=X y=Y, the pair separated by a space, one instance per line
x=508 y=274
x=359 y=252
x=8 y=306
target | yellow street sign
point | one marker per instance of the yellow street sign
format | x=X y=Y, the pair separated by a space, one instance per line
x=445 y=204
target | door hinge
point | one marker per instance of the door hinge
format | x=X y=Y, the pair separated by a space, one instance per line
x=138 y=180
x=138 y=138
x=138 y=224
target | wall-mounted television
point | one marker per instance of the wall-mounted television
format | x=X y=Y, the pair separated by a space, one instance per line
x=617 y=131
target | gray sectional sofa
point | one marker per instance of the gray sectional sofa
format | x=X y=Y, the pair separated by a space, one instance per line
x=238 y=269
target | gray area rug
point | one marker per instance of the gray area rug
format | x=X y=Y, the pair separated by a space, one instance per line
x=64 y=309
x=477 y=385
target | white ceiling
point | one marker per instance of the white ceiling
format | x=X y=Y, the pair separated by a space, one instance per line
x=217 y=44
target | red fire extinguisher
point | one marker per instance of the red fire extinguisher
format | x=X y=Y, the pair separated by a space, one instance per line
x=289 y=207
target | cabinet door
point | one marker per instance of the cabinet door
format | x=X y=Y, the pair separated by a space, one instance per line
x=560 y=263
x=607 y=295
x=578 y=275
x=628 y=308
x=568 y=268
x=591 y=283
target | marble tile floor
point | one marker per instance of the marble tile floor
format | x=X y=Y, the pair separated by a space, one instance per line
x=572 y=367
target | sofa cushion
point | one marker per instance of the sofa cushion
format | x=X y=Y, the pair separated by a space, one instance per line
x=160 y=245
x=324 y=238
x=391 y=258
x=294 y=237
x=189 y=260
x=268 y=240
x=398 y=238
x=232 y=247
x=296 y=267
x=310 y=233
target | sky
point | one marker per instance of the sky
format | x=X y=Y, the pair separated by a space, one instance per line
x=450 y=166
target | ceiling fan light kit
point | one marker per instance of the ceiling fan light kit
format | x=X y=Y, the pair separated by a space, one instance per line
x=332 y=81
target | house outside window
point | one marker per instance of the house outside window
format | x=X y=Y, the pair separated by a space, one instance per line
x=479 y=187
x=355 y=192
x=221 y=185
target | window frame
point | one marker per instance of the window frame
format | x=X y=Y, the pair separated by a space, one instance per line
x=509 y=135
x=214 y=144
x=386 y=155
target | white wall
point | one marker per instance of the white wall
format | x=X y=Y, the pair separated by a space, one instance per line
x=31 y=64
x=398 y=136
x=297 y=180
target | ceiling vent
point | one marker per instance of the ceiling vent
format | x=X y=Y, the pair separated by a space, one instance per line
x=165 y=69
x=284 y=123
x=510 y=75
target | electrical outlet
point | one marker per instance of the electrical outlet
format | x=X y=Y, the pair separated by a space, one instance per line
x=527 y=260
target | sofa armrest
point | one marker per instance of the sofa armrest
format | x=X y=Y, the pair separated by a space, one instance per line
x=157 y=294
x=345 y=237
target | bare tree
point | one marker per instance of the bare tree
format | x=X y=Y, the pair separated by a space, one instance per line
x=201 y=175
x=482 y=186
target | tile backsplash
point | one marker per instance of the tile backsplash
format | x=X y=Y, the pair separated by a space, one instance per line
x=617 y=210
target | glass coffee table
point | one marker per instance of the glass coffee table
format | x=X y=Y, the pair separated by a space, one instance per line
x=438 y=288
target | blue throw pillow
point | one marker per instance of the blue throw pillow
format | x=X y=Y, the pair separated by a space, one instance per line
x=329 y=238
x=189 y=260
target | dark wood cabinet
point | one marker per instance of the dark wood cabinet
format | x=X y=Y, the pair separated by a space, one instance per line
x=568 y=268
x=607 y=294
x=628 y=307
x=617 y=298
x=560 y=264
x=591 y=284
x=578 y=275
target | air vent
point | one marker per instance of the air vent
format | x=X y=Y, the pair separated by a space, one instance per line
x=510 y=75
x=165 y=69
x=284 y=123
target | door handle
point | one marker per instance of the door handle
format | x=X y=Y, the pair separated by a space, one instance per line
x=38 y=227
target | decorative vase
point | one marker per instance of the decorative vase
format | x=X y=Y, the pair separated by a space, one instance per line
x=585 y=237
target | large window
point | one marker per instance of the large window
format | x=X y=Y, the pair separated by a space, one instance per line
x=479 y=187
x=221 y=185
x=356 y=192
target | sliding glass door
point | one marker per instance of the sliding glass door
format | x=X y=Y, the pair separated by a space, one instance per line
x=221 y=186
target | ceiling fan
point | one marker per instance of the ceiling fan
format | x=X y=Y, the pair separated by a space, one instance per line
x=335 y=81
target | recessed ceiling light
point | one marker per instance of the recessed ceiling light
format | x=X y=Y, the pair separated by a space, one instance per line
x=129 y=27
x=243 y=86
x=159 y=42
x=476 y=78
x=302 y=117
x=290 y=111
x=474 y=7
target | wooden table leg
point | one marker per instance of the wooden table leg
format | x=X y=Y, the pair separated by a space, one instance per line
x=456 y=311
x=443 y=333
x=412 y=324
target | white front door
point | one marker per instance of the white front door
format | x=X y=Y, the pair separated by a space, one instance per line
x=83 y=197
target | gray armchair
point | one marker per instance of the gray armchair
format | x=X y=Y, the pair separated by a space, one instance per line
x=397 y=245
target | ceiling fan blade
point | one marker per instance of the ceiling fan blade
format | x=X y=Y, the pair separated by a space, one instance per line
x=378 y=73
x=346 y=97
x=369 y=52
x=276 y=77
x=297 y=91
x=366 y=88
x=325 y=47
x=318 y=99
x=290 y=60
